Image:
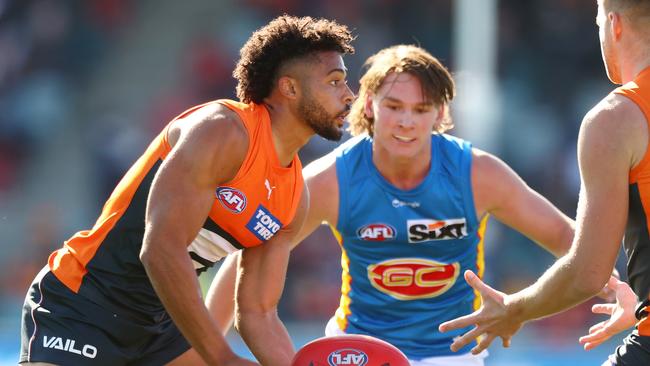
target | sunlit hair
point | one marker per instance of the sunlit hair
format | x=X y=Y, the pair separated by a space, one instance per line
x=436 y=81
x=284 y=39
x=637 y=11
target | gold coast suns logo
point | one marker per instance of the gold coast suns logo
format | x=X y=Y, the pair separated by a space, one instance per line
x=413 y=278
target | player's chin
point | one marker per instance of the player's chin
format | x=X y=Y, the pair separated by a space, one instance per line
x=333 y=133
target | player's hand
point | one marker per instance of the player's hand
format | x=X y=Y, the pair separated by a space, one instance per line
x=608 y=294
x=621 y=315
x=491 y=320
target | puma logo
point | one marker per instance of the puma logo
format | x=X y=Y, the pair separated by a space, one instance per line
x=269 y=188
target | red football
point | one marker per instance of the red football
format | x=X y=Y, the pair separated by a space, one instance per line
x=349 y=350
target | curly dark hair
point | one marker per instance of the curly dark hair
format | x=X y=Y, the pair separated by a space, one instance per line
x=284 y=38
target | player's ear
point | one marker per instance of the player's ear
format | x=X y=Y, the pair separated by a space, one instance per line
x=616 y=26
x=288 y=87
x=367 y=106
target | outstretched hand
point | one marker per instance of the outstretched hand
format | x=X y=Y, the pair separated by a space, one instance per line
x=491 y=320
x=621 y=315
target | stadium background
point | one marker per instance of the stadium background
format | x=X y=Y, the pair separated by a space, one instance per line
x=84 y=85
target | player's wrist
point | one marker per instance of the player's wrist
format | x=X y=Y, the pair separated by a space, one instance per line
x=515 y=308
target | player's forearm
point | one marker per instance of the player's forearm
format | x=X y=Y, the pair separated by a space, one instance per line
x=173 y=277
x=220 y=299
x=561 y=243
x=563 y=286
x=266 y=337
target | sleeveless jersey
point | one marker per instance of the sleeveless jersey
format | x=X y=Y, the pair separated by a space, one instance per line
x=404 y=252
x=637 y=239
x=102 y=264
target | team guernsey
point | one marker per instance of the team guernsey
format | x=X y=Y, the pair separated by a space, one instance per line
x=404 y=252
x=97 y=277
x=637 y=239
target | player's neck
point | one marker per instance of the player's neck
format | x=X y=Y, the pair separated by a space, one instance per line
x=640 y=66
x=289 y=133
x=633 y=63
x=404 y=173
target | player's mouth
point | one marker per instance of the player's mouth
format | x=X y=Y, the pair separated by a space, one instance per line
x=403 y=139
x=340 y=119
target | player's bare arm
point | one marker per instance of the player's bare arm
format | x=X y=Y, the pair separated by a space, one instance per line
x=498 y=190
x=207 y=150
x=320 y=180
x=609 y=145
x=220 y=298
x=261 y=275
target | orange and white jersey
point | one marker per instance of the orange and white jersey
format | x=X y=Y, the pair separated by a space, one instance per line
x=248 y=210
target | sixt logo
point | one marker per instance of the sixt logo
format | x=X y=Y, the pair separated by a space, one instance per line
x=420 y=231
x=68 y=345
x=347 y=356
x=232 y=199
x=377 y=232
x=263 y=224
x=413 y=278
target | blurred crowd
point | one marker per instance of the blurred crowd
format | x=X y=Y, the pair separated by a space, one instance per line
x=70 y=86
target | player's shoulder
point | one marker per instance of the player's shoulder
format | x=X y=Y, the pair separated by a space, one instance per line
x=616 y=125
x=616 y=113
x=487 y=167
x=211 y=123
x=321 y=173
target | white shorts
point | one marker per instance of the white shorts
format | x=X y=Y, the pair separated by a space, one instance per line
x=467 y=359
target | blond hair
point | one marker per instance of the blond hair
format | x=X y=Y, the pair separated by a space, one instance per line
x=636 y=11
x=436 y=82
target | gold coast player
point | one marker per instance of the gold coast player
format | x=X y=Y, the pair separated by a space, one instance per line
x=409 y=206
x=614 y=201
x=221 y=177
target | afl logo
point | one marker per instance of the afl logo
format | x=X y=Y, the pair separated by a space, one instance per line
x=232 y=199
x=347 y=356
x=377 y=232
x=413 y=278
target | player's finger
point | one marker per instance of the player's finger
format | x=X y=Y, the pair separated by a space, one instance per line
x=599 y=335
x=483 y=344
x=612 y=282
x=478 y=285
x=466 y=339
x=591 y=345
x=460 y=322
x=505 y=342
x=596 y=327
x=603 y=309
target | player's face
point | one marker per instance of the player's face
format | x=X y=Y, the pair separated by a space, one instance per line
x=326 y=97
x=403 y=118
x=606 y=49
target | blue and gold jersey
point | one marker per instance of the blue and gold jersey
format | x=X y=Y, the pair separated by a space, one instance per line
x=404 y=252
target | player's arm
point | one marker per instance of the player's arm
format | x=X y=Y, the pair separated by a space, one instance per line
x=220 y=298
x=208 y=149
x=501 y=192
x=605 y=156
x=261 y=276
x=607 y=149
x=320 y=179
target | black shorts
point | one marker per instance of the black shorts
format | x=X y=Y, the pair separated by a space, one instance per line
x=63 y=328
x=635 y=351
